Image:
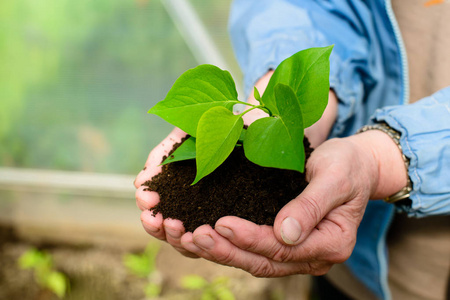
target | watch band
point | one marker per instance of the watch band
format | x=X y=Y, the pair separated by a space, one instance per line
x=395 y=136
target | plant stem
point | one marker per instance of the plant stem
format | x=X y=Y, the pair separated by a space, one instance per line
x=261 y=107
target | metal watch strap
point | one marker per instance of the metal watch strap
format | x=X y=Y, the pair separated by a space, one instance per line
x=395 y=136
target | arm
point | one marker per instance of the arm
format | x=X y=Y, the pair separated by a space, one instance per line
x=264 y=33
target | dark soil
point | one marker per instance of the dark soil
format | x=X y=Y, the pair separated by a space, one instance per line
x=237 y=188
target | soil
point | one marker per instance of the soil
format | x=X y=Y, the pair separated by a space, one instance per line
x=237 y=188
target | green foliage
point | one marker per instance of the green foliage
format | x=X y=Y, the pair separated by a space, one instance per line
x=201 y=103
x=143 y=265
x=46 y=277
x=307 y=73
x=195 y=92
x=152 y=290
x=184 y=152
x=218 y=131
x=280 y=138
x=216 y=290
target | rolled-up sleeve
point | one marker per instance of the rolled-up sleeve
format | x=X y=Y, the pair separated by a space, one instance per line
x=265 y=32
x=425 y=140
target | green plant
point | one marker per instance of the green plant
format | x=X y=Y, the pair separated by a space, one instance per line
x=214 y=290
x=46 y=277
x=143 y=266
x=201 y=103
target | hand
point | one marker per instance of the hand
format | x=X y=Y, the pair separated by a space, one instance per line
x=318 y=228
x=171 y=230
x=167 y=230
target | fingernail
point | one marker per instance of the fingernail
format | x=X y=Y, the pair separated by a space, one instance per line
x=290 y=231
x=224 y=231
x=204 y=241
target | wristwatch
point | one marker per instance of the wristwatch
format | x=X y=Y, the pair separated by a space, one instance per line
x=404 y=193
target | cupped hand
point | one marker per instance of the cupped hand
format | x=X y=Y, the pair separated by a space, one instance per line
x=313 y=231
x=172 y=230
x=167 y=230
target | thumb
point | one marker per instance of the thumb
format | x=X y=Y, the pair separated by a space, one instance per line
x=298 y=218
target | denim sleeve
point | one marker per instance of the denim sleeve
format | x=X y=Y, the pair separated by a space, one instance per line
x=265 y=32
x=425 y=140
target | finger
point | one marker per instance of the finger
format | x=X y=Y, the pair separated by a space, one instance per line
x=261 y=240
x=153 y=225
x=330 y=242
x=147 y=173
x=250 y=237
x=174 y=230
x=186 y=253
x=146 y=200
x=208 y=244
x=299 y=217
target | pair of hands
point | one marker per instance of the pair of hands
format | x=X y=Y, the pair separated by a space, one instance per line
x=312 y=232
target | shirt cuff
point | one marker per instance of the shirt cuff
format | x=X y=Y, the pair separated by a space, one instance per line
x=425 y=140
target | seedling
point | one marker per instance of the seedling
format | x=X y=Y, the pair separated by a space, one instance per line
x=143 y=266
x=214 y=290
x=201 y=103
x=46 y=277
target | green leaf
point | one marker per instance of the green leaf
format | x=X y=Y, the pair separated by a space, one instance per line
x=278 y=141
x=220 y=280
x=193 y=93
x=57 y=283
x=185 y=151
x=151 y=251
x=307 y=73
x=256 y=94
x=30 y=259
x=224 y=293
x=208 y=295
x=34 y=258
x=152 y=290
x=142 y=265
x=137 y=264
x=194 y=282
x=217 y=134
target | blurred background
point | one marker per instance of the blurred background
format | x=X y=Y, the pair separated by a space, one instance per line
x=76 y=81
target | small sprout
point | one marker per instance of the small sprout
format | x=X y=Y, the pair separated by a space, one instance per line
x=201 y=103
x=216 y=290
x=256 y=94
x=46 y=277
x=143 y=265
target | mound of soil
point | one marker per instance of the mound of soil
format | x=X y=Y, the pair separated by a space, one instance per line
x=237 y=188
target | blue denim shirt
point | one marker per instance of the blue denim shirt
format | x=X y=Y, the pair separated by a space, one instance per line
x=369 y=75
